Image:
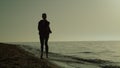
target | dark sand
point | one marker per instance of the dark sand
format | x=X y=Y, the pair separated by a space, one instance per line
x=12 y=56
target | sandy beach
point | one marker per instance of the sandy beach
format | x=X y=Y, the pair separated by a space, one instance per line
x=12 y=56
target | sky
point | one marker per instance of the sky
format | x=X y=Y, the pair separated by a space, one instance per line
x=70 y=20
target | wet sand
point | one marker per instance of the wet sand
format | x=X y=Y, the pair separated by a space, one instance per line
x=12 y=56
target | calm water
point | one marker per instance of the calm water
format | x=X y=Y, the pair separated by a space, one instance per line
x=84 y=54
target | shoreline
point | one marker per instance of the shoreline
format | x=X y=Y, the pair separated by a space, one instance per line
x=12 y=56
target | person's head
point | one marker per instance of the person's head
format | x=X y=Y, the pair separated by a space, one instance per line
x=44 y=16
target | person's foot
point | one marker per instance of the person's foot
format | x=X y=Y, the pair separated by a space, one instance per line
x=41 y=57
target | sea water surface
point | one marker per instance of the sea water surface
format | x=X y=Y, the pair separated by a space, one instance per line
x=82 y=54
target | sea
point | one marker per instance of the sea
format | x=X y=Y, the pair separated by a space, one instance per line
x=79 y=54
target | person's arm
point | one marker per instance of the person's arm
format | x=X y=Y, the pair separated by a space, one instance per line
x=49 y=28
x=39 y=26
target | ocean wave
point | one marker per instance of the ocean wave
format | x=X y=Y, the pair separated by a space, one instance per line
x=68 y=59
x=73 y=59
x=110 y=66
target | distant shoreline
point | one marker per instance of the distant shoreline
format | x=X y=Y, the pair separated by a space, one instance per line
x=12 y=56
x=70 y=41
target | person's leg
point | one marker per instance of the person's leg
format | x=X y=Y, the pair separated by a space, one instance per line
x=42 y=45
x=46 y=45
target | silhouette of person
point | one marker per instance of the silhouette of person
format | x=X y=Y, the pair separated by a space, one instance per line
x=44 y=31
